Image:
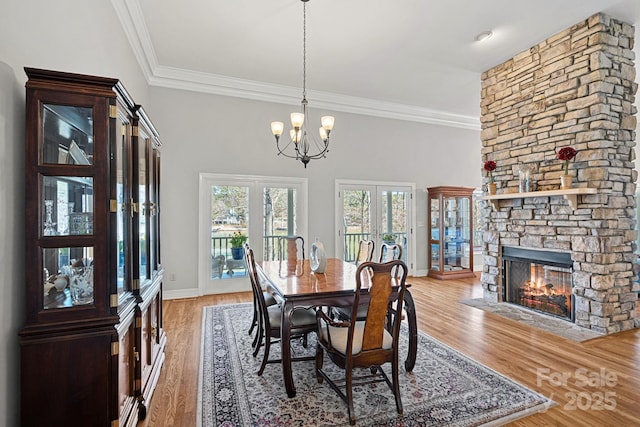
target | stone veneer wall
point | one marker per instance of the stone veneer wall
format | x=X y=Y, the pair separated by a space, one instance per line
x=575 y=89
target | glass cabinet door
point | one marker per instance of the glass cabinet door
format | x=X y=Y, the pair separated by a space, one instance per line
x=456 y=238
x=66 y=204
x=155 y=212
x=434 y=238
x=145 y=184
x=67 y=135
x=141 y=200
x=123 y=205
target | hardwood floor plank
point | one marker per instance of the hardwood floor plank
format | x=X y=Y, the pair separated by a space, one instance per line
x=573 y=374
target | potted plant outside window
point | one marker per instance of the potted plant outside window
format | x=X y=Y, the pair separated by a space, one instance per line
x=237 y=240
x=389 y=238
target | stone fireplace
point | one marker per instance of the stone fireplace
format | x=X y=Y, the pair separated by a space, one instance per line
x=575 y=89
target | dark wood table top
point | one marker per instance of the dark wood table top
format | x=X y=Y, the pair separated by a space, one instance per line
x=297 y=280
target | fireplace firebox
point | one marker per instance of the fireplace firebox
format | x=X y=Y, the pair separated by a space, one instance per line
x=539 y=280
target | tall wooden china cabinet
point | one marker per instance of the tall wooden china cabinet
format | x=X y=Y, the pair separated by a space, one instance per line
x=450 y=232
x=93 y=343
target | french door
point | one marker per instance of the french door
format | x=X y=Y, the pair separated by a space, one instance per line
x=234 y=208
x=377 y=211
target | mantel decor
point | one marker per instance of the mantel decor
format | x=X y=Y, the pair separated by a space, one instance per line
x=299 y=138
x=490 y=166
x=566 y=154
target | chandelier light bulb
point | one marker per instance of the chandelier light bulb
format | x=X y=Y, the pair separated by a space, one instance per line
x=327 y=122
x=295 y=135
x=297 y=119
x=277 y=128
x=323 y=134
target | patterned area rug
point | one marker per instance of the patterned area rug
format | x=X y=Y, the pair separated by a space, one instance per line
x=446 y=388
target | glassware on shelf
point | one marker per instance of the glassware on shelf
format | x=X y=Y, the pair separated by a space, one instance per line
x=49 y=225
x=81 y=284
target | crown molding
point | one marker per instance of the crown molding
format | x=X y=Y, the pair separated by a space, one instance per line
x=135 y=29
x=133 y=24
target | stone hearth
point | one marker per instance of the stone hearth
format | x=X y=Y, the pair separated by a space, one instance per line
x=575 y=89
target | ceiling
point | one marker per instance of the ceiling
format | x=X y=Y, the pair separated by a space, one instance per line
x=405 y=59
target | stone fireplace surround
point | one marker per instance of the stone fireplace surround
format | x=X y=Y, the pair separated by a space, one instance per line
x=576 y=89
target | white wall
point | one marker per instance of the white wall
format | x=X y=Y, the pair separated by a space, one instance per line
x=77 y=36
x=12 y=247
x=208 y=133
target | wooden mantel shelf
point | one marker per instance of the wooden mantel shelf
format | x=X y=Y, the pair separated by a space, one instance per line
x=571 y=195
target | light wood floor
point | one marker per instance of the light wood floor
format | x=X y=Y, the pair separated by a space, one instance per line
x=601 y=385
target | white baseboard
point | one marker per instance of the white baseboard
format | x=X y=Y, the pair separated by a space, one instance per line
x=181 y=293
x=195 y=292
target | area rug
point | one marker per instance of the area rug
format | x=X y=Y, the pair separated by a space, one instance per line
x=445 y=388
x=550 y=324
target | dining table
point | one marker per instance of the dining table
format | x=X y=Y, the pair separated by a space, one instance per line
x=297 y=287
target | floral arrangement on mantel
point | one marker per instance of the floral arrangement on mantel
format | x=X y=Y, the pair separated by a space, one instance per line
x=490 y=166
x=566 y=154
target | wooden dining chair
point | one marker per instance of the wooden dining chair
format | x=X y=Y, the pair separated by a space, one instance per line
x=365 y=251
x=269 y=301
x=390 y=251
x=291 y=247
x=368 y=343
x=303 y=320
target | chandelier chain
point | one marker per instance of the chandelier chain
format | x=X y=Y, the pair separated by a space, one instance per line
x=304 y=50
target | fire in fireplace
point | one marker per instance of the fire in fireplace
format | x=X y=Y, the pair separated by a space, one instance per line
x=538 y=280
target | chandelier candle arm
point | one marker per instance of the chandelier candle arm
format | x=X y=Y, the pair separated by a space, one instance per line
x=302 y=141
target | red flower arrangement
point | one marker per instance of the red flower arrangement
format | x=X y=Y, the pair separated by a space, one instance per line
x=490 y=166
x=566 y=154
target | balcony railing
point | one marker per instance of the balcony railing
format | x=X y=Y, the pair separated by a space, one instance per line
x=222 y=245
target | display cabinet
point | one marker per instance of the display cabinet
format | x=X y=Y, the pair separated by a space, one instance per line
x=450 y=232
x=93 y=343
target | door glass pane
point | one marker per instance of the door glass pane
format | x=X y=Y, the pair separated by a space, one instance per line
x=279 y=219
x=229 y=227
x=67 y=133
x=357 y=213
x=394 y=218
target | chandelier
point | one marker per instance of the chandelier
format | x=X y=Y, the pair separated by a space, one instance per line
x=304 y=143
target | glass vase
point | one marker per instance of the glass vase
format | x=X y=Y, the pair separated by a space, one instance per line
x=524 y=178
